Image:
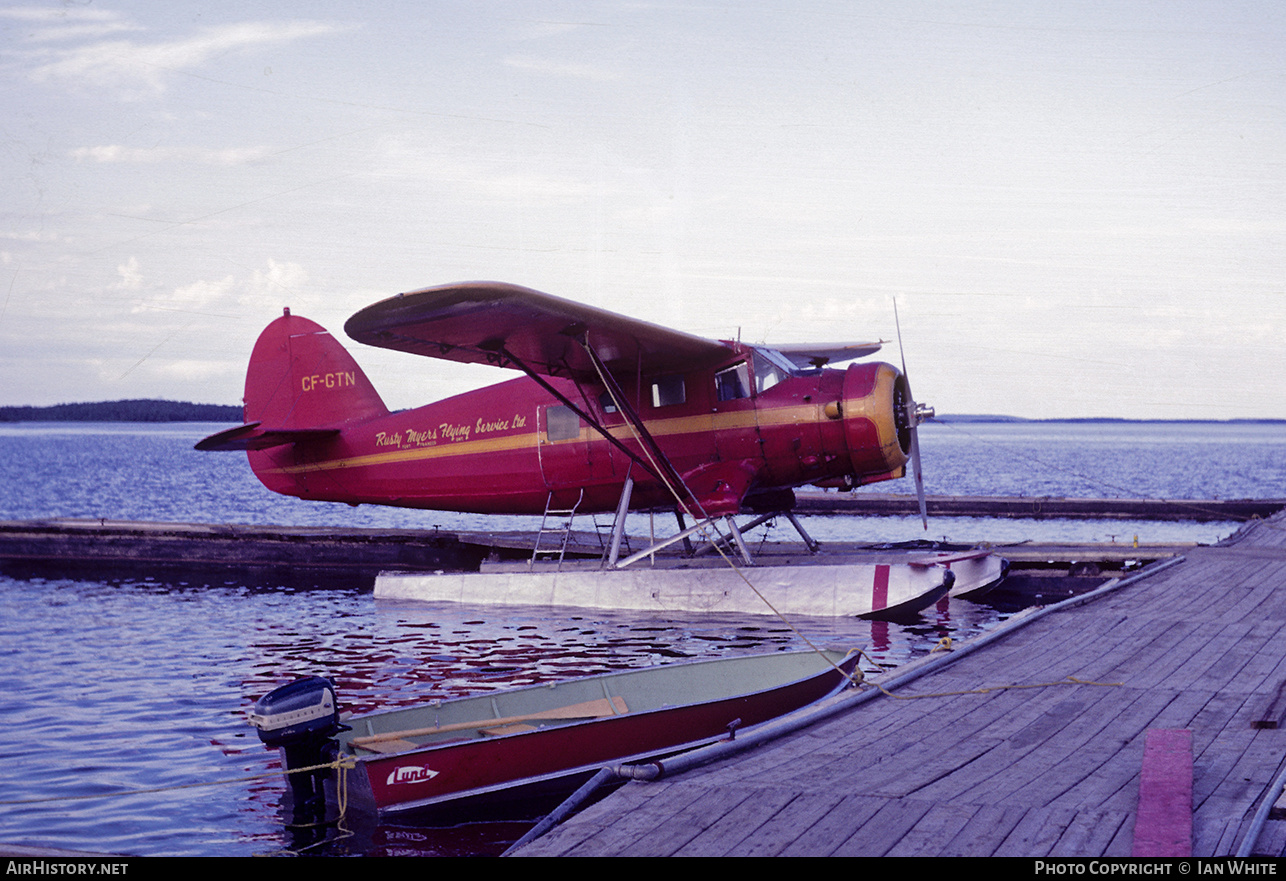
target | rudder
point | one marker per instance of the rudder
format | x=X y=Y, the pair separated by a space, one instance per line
x=301 y=378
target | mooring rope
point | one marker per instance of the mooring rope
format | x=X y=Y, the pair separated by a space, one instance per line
x=343 y=764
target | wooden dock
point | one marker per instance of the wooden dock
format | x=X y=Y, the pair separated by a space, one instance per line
x=123 y=544
x=869 y=504
x=1034 y=744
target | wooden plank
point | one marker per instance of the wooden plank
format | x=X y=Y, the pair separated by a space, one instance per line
x=1247 y=781
x=1117 y=755
x=1240 y=645
x=600 y=830
x=985 y=833
x=804 y=810
x=1090 y=832
x=1080 y=766
x=1183 y=648
x=1137 y=666
x=740 y=824
x=1220 y=836
x=1036 y=833
x=886 y=827
x=683 y=826
x=869 y=504
x=832 y=831
x=916 y=769
x=1271 y=716
x=1272 y=840
x=942 y=822
x=1221 y=755
x=1163 y=823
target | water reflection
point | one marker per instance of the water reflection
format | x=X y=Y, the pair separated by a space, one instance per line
x=163 y=671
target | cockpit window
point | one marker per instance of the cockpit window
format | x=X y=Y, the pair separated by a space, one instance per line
x=770 y=369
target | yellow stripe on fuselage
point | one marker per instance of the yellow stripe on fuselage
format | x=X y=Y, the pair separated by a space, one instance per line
x=739 y=419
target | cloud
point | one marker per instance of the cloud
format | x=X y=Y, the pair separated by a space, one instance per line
x=201 y=294
x=189 y=155
x=131 y=63
x=227 y=295
x=131 y=277
x=278 y=278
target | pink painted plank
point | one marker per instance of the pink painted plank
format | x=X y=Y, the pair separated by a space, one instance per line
x=1163 y=826
x=880 y=589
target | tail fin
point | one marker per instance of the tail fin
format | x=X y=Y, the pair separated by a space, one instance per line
x=301 y=385
x=301 y=378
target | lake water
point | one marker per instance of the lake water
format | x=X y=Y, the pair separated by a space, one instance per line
x=125 y=698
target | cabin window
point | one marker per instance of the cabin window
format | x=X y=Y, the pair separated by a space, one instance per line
x=733 y=383
x=561 y=423
x=668 y=391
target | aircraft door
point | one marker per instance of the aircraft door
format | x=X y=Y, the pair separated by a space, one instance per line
x=569 y=456
x=736 y=429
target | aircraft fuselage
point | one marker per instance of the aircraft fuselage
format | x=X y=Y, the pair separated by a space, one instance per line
x=746 y=429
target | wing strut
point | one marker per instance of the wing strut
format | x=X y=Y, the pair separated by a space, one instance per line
x=673 y=480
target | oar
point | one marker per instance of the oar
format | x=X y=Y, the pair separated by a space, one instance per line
x=588 y=710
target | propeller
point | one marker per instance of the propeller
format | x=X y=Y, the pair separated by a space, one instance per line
x=913 y=415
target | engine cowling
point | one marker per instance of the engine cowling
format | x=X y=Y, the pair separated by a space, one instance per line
x=877 y=429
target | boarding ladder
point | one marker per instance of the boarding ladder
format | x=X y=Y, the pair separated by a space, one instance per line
x=560 y=530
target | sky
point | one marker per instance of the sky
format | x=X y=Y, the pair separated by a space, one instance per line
x=1074 y=209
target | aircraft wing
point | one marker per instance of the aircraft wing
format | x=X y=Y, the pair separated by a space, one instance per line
x=820 y=354
x=473 y=321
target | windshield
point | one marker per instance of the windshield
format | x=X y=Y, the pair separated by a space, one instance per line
x=771 y=368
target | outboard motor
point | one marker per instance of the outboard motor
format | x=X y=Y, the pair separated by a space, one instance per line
x=301 y=718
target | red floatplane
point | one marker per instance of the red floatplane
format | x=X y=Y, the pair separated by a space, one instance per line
x=612 y=414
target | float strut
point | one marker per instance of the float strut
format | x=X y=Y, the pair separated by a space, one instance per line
x=799 y=527
x=618 y=525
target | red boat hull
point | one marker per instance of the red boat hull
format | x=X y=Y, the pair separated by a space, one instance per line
x=555 y=760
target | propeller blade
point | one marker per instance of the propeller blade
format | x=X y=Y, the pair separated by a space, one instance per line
x=913 y=424
x=919 y=477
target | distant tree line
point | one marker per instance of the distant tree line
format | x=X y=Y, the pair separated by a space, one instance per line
x=123 y=411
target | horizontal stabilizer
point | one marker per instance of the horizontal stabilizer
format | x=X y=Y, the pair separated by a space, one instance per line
x=807 y=355
x=254 y=437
